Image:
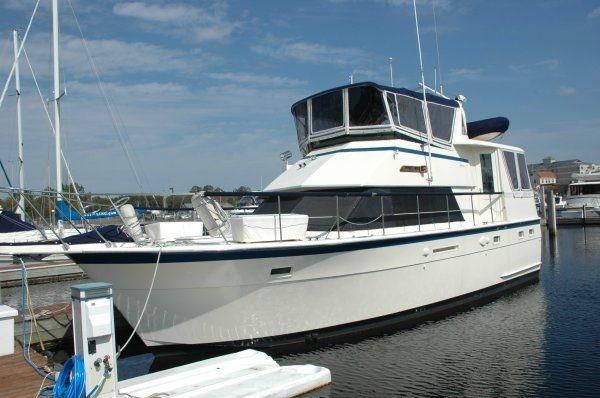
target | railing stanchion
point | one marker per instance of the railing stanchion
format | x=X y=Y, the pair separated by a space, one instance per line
x=472 y=208
x=279 y=214
x=491 y=208
x=448 y=210
x=418 y=214
x=337 y=214
x=382 y=215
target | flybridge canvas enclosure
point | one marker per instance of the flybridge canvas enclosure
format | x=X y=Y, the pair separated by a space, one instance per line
x=370 y=110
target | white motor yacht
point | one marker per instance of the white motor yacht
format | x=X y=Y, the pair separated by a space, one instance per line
x=398 y=211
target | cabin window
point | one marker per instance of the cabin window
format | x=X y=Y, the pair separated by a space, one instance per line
x=511 y=165
x=435 y=205
x=411 y=114
x=391 y=100
x=487 y=173
x=300 y=113
x=523 y=173
x=441 y=119
x=366 y=107
x=327 y=111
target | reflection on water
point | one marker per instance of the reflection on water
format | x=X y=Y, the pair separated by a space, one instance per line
x=543 y=340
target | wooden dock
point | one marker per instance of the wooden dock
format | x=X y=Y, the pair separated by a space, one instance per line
x=17 y=378
x=39 y=272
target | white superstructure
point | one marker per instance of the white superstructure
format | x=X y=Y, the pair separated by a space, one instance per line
x=402 y=225
x=584 y=191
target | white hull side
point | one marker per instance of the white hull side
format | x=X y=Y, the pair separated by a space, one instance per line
x=222 y=301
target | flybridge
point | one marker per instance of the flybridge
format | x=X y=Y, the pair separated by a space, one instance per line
x=373 y=111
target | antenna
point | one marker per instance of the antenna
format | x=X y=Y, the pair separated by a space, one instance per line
x=391 y=71
x=426 y=108
x=351 y=77
x=437 y=48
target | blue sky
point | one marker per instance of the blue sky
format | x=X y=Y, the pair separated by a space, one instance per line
x=202 y=89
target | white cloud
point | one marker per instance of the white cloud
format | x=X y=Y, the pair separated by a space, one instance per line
x=548 y=64
x=256 y=79
x=567 y=90
x=112 y=57
x=182 y=20
x=595 y=13
x=314 y=53
x=438 y=3
x=459 y=74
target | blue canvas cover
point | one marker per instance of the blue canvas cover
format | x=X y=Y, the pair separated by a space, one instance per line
x=496 y=125
x=111 y=233
x=11 y=222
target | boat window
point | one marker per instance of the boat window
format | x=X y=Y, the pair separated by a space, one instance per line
x=441 y=119
x=327 y=111
x=300 y=113
x=585 y=189
x=487 y=173
x=366 y=107
x=391 y=100
x=523 y=173
x=436 y=205
x=509 y=159
x=411 y=114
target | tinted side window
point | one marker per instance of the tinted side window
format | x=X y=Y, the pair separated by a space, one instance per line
x=391 y=100
x=442 y=119
x=511 y=165
x=327 y=111
x=366 y=107
x=523 y=173
x=300 y=113
x=411 y=113
x=487 y=173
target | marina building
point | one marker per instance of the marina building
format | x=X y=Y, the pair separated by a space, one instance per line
x=562 y=169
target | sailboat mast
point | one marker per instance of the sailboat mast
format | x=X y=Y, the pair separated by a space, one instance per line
x=57 y=95
x=19 y=125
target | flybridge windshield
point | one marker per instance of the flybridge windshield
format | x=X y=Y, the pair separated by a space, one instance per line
x=367 y=108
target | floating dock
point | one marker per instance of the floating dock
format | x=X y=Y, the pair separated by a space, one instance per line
x=247 y=373
x=39 y=272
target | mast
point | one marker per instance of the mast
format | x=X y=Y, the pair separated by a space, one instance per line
x=21 y=206
x=57 y=96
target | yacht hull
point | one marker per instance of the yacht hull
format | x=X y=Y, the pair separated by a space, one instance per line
x=342 y=291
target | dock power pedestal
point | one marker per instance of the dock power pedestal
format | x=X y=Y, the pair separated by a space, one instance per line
x=94 y=337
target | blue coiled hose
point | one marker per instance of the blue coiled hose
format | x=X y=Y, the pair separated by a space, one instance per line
x=71 y=380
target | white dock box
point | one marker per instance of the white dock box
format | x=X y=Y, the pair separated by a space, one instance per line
x=249 y=228
x=169 y=231
x=7 y=329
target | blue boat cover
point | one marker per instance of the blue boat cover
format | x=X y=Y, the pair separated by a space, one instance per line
x=11 y=222
x=111 y=233
x=487 y=126
x=67 y=213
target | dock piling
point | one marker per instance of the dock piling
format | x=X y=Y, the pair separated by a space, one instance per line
x=551 y=223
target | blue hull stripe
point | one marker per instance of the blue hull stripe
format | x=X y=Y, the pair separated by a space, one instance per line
x=392 y=148
x=272 y=252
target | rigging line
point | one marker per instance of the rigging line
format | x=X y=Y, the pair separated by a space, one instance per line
x=12 y=70
x=45 y=106
x=426 y=108
x=437 y=48
x=105 y=97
